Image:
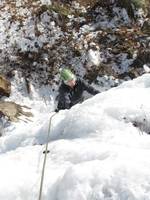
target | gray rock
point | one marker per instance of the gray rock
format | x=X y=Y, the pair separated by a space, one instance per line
x=5 y=86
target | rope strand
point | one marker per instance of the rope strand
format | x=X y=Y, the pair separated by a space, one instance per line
x=45 y=157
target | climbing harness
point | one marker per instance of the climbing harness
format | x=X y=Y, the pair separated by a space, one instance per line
x=45 y=157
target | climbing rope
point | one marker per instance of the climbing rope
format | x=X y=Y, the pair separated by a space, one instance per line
x=45 y=157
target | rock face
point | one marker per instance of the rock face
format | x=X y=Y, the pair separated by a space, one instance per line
x=146 y=27
x=5 y=87
x=48 y=36
x=13 y=111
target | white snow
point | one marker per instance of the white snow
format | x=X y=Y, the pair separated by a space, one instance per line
x=96 y=152
x=94 y=57
x=146 y=68
x=47 y=2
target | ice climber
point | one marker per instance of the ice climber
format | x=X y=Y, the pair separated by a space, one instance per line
x=71 y=90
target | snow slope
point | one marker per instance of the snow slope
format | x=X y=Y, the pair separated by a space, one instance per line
x=96 y=150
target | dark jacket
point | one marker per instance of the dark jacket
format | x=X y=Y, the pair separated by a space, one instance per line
x=70 y=96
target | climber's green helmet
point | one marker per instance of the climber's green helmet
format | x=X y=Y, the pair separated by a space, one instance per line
x=66 y=75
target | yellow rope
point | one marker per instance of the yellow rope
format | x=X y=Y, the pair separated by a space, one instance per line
x=44 y=162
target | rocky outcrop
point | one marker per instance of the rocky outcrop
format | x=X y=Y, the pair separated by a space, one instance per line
x=146 y=27
x=61 y=33
x=5 y=86
x=13 y=111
